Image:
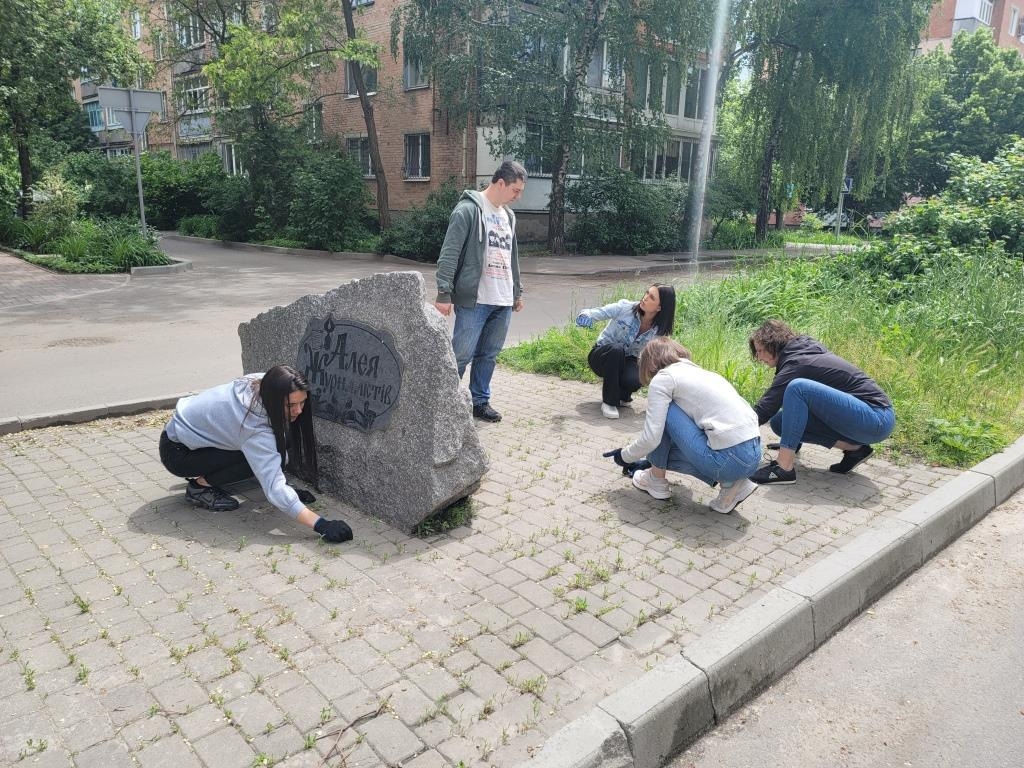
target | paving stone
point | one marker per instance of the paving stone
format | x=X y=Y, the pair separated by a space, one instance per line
x=172 y=752
x=108 y=754
x=391 y=739
x=224 y=749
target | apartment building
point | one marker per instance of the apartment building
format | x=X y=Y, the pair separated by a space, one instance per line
x=1004 y=17
x=420 y=146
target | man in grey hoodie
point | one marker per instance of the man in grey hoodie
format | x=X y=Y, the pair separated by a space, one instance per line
x=478 y=274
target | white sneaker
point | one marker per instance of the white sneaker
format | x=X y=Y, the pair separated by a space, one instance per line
x=656 y=486
x=609 y=411
x=730 y=496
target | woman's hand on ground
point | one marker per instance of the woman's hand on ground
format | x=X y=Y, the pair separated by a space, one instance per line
x=334 y=531
x=584 y=321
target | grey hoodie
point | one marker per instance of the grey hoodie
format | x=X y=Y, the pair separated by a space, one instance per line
x=464 y=250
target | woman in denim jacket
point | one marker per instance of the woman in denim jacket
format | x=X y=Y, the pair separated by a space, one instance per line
x=632 y=326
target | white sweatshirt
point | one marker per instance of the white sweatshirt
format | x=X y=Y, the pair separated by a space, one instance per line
x=709 y=399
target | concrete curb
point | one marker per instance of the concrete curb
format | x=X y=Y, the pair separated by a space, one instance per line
x=176 y=266
x=670 y=706
x=14 y=424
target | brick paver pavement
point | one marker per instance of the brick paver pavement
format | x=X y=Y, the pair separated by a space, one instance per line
x=25 y=283
x=138 y=631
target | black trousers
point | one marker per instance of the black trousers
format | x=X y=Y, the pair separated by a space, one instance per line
x=619 y=372
x=215 y=465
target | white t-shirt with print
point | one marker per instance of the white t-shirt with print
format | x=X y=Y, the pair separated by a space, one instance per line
x=496 y=276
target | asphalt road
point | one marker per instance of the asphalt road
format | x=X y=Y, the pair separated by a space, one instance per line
x=931 y=676
x=158 y=336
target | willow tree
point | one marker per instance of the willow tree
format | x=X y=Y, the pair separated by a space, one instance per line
x=826 y=82
x=44 y=46
x=561 y=84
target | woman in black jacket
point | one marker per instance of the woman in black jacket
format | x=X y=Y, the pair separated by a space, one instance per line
x=816 y=397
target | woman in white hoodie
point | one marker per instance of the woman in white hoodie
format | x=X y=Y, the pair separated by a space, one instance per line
x=255 y=425
x=697 y=424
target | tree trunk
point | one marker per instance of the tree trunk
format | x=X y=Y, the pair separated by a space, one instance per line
x=594 y=15
x=764 y=187
x=383 y=206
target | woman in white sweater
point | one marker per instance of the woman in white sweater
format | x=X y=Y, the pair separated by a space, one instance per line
x=697 y=424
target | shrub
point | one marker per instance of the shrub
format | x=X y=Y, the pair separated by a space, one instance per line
x=329 y=210
x=174 y=189
x=199 y=225
x=231 y=201
x=737 y=234
x=54 y=208
x=616 y=212
x=419 y=233
x=108 y=185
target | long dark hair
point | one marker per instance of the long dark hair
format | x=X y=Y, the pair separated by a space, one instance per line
x=295 y=439
x=665 y=317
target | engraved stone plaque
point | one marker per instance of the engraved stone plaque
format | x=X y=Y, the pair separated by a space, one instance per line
x=353 y=370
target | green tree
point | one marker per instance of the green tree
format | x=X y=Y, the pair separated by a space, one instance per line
x=826 y=79
x=562 y=83
x=270 y=69
x=971 y=103
x=44 y=45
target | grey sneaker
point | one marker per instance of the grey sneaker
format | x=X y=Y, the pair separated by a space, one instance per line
x=729 y=497
x=658 y=487
x=210 y=497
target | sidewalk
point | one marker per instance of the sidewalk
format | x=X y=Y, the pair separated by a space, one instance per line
x=137 y=630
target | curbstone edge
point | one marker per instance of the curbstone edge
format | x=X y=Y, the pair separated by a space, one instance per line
x=753 y=648
x=844 y=583
x=594 y=740
x=1006 y=468
x=663 y=711
x=950 y=510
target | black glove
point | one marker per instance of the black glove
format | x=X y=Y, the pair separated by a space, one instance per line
x=636 y=466
x=616 y=456
x=333 y=530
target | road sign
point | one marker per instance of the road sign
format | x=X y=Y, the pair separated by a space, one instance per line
x=133 y=106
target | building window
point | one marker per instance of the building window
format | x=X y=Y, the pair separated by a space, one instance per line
x=359 y=148
x=538 y=149
x=693 y=102
x=687 y=155
x=192 y=151
x=417 y=156
x=603 y=70
x=313 y=122
x=673 y=88
x=369 y=78
x=357 y=3
x=232 y=165
x=191 y=32
x=413 y=75
x=984 y=10
x=136 y=25
x=158 y=45
x=194 y=94
x=1014 y=25
x=95 y=113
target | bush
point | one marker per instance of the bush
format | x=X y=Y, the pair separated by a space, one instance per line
x=231 y=201
x=616 y=212
x=174 y=189
x=199 y=225
x=419 y=233
x=329 y=210
x=738 y=234
x=109 y=187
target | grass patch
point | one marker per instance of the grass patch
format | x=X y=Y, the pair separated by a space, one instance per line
x=453 y=516
x=943 y=343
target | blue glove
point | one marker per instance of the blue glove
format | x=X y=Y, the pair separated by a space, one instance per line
x=584 y=321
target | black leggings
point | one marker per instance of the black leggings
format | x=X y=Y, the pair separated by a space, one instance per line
x=215 y=465
x=619 y=371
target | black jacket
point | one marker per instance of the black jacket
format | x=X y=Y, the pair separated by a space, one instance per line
x=807 y=358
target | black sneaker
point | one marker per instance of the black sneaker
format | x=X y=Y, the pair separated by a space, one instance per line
x=484 y=412
x=773 y=473
x=304 y=496
x=210 y=497
x=851 y=459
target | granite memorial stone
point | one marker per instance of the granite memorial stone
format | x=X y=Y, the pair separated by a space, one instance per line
x=395 y=432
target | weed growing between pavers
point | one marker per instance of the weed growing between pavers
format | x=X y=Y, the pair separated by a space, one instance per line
x=454 y=516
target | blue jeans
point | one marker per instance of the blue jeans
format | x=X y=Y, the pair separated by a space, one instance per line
x=684 y=448
x=478 y=338
x=815 y=413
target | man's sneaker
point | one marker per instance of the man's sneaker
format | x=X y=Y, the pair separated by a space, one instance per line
x=773 y=473
x=656 y=486
x=609 y=411
x=484 y=412
x=210 y=497
x=730 y=496
x=851 y=459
